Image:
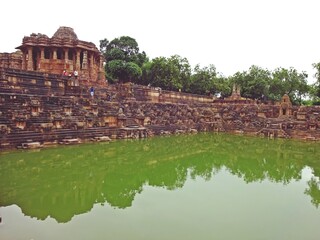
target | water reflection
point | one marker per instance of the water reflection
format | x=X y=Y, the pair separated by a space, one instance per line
x=313 y=191
x=67 y=181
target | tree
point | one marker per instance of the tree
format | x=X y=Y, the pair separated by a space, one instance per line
x=203 y=80
x=124 y=71
x=168 y=73
x=223 y=86
x=316 y=85
x=146 y=73
x=289 y=81
x=127 y=44
x=133 y=71
x=123 y=59
x=115 y=54
x=181 y=72
x=103 y=45
x=254 y=83
x=258 y=83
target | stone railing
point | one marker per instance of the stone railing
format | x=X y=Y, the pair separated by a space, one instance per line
x=38 y=83
x=143 y=93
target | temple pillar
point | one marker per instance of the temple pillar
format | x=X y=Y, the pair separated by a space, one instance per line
x=41 y=58
x=24 y=56
x=78 y=60
x=101 y=63
x=66 y=58
x=85 y=60
x=30 y=60
x=91 y=62
x=41 y=53
x=101 y=73
x=54 y=53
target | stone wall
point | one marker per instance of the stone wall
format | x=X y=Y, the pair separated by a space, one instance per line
x=11 y=60
x=38 y=109
x=144 y=93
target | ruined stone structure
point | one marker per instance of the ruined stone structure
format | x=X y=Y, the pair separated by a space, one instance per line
x=11 y=60
x=285 y=107
x=235 y=95
x=62 y=52
x=39 y=109
x=39 y=106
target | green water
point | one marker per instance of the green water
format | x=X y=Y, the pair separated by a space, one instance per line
x=205 y=186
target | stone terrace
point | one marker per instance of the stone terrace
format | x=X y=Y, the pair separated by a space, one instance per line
x=40 y=109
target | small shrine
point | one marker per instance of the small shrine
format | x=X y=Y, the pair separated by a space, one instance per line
x=235 y=95
x=285 y=106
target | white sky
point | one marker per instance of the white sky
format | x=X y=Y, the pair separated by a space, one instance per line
x=231 y=34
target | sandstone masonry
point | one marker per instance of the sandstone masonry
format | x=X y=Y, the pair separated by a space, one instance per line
x=39 y=106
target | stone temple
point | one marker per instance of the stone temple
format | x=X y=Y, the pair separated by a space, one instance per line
x=41 y=106
x=62 y=52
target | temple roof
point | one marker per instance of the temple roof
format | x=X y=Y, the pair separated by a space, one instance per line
x=63 y=37
x=65 y=32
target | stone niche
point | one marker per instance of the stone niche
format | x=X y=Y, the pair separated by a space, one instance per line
x=121 y=119
x=301 y=116
x=20 y=122
x=67 y=110
x=140 y=117
x=110 y=121
x=95 y=111
x=47 y=83
x=285 y=107
x=57 y=123
x=35 y=107
x=312 y=123
x=262 y=114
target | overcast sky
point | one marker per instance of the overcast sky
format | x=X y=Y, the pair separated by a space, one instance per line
x=231 y=34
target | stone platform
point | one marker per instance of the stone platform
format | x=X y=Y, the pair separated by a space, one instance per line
x=43 y=109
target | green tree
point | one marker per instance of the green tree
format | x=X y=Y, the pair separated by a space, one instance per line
x=115 y=54
x=258 y=83
x=254 y=83
x=168 y=73
x=103 y=45
x=223 y=86
x=125 y=43
x=155 y=71
x=289 y=81
x=124 y=71
x=133 y=71
x=181 y=72
x=146 y=73
x=123 y=59
x=315 y=88
x=203 y=80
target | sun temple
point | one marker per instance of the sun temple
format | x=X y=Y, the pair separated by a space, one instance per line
x=46 y=99
x=62 y=53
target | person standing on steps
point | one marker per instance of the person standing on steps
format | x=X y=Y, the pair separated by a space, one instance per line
x=92 y=91
x=64 y=73
x=75 y=74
